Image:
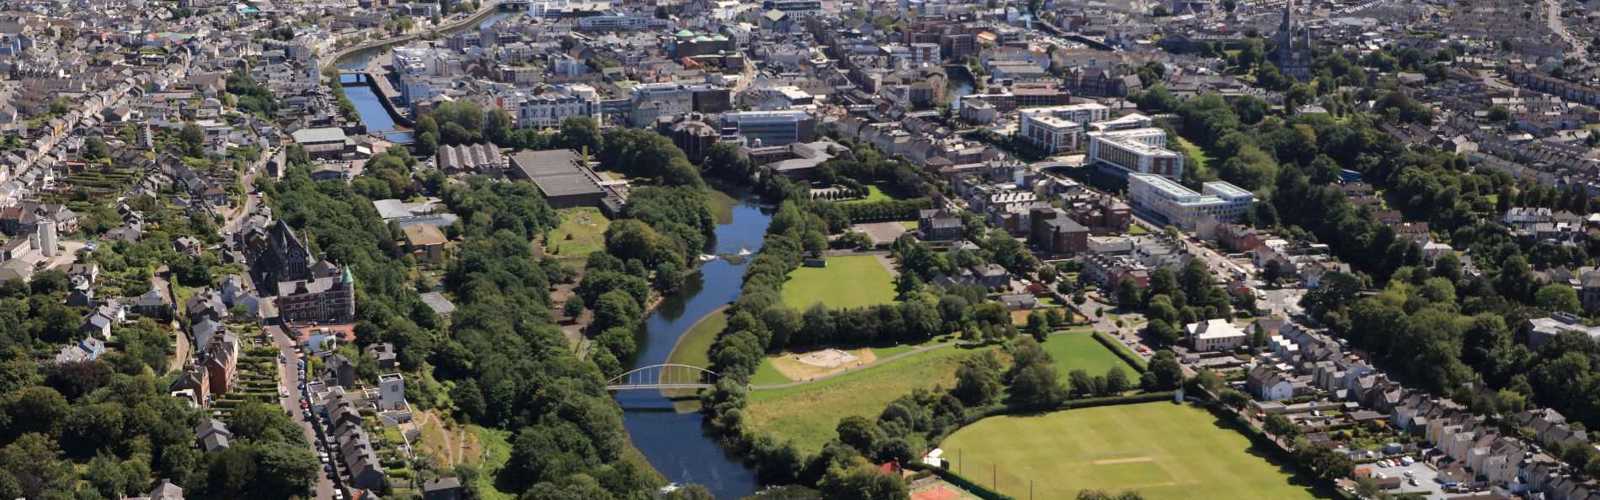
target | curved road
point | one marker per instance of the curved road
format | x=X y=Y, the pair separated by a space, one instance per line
x=476 y=17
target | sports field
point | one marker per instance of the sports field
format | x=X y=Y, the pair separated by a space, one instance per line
x=809 y=413
x=1080 y=351
x=1162 y=450
x=848 y=281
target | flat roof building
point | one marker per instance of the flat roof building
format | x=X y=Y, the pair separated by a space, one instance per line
x=1059 y=128
x=1181 y=206
x=560 y=175
x=1137 y=150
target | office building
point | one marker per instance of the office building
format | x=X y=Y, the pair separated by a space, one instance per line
x=1059 y=128
x=769 y=128
x=1138 y=150
x=1184 y=208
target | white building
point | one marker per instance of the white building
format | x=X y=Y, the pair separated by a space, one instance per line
x=1215 y=335
x=548 y=109
x=1137 y=150
x=771 y=128
x=1059 y=128
x=652 y=100
x=391 y=392
x=1181 y=206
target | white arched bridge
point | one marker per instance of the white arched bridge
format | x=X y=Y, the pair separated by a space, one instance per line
x=663 y=376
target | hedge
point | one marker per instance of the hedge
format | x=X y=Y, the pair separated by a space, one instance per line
x=1121 y=351
x=976 y=489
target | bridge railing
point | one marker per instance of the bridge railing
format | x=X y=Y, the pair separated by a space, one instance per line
x=663 y=376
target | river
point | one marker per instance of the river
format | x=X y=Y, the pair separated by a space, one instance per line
x=674 y=442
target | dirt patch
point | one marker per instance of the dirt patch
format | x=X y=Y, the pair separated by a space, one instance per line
x=806 y=366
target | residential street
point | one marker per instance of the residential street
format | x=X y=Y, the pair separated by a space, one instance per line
x=289 y=382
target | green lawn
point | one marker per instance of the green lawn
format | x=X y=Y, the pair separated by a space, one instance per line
x=807 y=414
x=1136 y=230
x=582 y=231
x=767 y=374
x=694 y=346
x=849 y=281
x=1201 y=159
x=1079 y=350
x=873 y=195
x=721 y=205
x=496 y=451
x=1161 y=450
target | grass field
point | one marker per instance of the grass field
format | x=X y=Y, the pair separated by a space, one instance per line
x=1161 y=450
x=1201 y=159
x=849 y=281
x=1079 y=350
x=582 y=231
x=694 y=346
x=873 y=195
x=496 y=451
x=768 y=374
x=807 y=414
x=721 y=205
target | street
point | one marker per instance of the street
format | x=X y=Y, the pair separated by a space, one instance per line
x=289 y=383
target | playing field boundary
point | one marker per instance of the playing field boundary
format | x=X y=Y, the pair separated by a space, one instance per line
x=1121 y=351
x=976 y=489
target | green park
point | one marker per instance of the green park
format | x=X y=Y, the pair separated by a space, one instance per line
x=846 y=281
x=1161 y=450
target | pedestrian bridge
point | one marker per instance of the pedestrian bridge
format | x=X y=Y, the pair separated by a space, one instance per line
x=663 y=376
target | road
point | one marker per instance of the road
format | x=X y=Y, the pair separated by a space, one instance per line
x=289 y=383
x=476 y=17
x=1552 y=11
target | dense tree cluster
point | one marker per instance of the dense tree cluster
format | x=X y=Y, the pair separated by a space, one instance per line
x=250 y=95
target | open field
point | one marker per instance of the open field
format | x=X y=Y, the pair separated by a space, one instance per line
x=582 y=231
x=848 y=281
x=873 y=194
x=807 y=414
x=1201 y=158
x=721 y=205
x=1079 y=350
x=769 y=373
x=1161 y=450
x=694 y=347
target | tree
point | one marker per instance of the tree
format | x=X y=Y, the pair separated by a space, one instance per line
x=1079 y=382
x=94 y=148
x=1117 y=381
x=859 y=433
x=1038 y=325
x=1558 y=297
x=978 y=379
x=1128 y=293
x=1234 y=399
x=1036 y=385
x=35 y=463
x=1164 y=372
x=1101 y=495
x=193 y=139
x=1280 y=426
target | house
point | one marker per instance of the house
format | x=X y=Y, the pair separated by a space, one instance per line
x=339 y=370
x=992 y=275
x=1019 y=301
x=383 y=353
x=97 y=325
x=392 y=392
x=1266 y=383
x=194 y=382
x=938 y=225
x=88 y=349
x=212 y=435
x=221 y=360
x=440 y=305
x=442 y=488
x=425 y=243
x=1215 y=335
x=205 y=304
x=203 y=331
x=232 y=289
